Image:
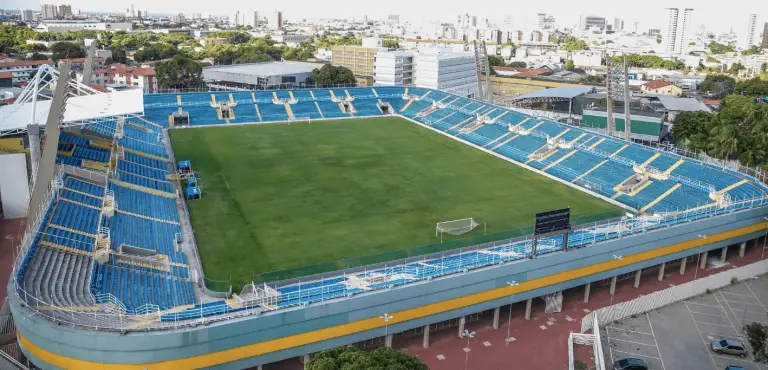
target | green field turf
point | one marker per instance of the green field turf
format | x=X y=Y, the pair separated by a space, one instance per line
x=282 y=196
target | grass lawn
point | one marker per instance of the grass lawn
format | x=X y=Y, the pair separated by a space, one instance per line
x=279 y=196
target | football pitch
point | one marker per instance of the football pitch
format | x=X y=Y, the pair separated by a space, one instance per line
x=278 y=196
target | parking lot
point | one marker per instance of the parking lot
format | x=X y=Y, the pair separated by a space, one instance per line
x=679 y=336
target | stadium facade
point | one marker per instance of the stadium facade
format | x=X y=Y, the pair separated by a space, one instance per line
x=107 y=277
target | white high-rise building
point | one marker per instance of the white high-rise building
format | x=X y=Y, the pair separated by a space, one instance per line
x=685 y=30
x=49 y=11
x=444 y=69
x=393 y=68
x=749 y=40
x=27 y=15
x=678 y=33
x=670 y=37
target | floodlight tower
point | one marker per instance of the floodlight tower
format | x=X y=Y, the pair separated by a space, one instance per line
x=483 y=68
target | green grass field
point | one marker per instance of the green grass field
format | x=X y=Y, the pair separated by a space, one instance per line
x=283 y=196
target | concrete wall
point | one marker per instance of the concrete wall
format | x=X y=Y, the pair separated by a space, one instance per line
x=14 y=189
x=138 y=348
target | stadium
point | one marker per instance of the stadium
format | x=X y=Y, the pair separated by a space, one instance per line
x=237 y=229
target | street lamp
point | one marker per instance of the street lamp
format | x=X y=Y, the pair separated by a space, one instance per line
x=698 y=257
x=469 y=335
x=512 y=284
x=386 y=317
x=613 y=291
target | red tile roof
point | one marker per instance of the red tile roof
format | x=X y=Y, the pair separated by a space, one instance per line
x=6 y=75
x=710 y=101
x=122 y=68
x=98 y=87
x=657 y=84
x=26 y=63
x=82 y=60
x=144 y=72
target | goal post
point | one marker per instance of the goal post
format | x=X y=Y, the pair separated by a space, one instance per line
x=456 y=227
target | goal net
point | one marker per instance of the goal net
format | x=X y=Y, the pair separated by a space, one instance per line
x=456 y=227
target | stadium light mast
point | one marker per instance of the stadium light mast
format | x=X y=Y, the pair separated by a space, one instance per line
x=483 y=68
x=627 y=120
x=608 y=94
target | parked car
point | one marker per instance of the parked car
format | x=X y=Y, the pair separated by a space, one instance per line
x=734 y=367
x=729 y=346
x=630 y=364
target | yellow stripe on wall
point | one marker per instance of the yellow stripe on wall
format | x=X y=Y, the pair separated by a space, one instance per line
x=256 y=349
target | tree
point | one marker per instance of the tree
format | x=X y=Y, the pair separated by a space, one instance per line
x=718 y=86
x=569 y=65
x=352 y=358
x=752 y=51
x=764 y=67
x=691 y=127
x=66 y=50
x=757 y=336
x=518 y=65
x=712 y=60
x=118 y=56
x=38 y=56
x=329 y=75
x=754 y=87
x=658 y=41
x=735 y=68
x=156 y=51
x=179 y=72
x=391 y=43
x=718 y=48
x=650 y=61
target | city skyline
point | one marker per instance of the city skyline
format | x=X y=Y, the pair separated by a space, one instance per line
x=567 y=14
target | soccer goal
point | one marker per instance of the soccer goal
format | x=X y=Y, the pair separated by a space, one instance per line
x=307 y=119
x=455 y=227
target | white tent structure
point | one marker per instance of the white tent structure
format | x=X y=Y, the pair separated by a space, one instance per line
x=82 y=105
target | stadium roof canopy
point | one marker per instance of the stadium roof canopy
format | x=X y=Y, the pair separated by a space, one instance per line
x=556 y=94
x=14 y=118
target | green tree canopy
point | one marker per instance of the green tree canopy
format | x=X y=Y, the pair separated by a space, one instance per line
x=690 y=127
x=755 y=87
x=329 y=75
x=752 y=51
x=518 y=65
x=156 y=51
x=179 y=73
x=118 y=56
x=739 y=131
x=65 y=50
x=735 y=68
x=757 y=336
x=38 y=56
x=650 y=61
x=391 y=43
x=569 y=65
x=718 y=48
x=718 y=86
x=352 y=358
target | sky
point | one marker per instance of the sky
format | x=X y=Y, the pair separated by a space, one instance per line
x=717 y=16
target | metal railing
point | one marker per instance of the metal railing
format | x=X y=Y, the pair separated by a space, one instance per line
x=652 y=301
x=392 y=272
